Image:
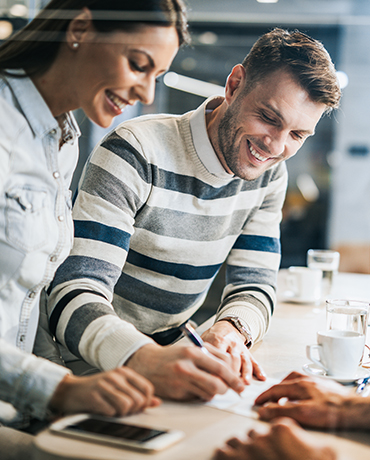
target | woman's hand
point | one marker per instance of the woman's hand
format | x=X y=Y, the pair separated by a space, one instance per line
x=114 y=393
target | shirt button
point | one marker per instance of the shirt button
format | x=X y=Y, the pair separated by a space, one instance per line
x=56 y=175
x=53 y=131
x=53 y=258
x=31 y=294
x=22 y=338
x=60 y=218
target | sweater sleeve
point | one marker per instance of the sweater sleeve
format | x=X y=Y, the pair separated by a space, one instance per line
x=81 y=316
x=253 y=262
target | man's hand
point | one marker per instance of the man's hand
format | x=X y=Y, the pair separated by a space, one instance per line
x=312 y=402
x=226 y=338
x=114 y=393
x=186 y=372
x=284 y=441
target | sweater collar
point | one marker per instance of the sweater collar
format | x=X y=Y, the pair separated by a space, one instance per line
x=201 y=140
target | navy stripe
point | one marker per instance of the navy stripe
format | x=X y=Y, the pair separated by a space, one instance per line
x=181 y=271
x=257 y=243
x=99 y=232
x=152 y=297
x=63 y=302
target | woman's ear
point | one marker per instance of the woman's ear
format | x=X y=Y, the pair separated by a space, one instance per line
x=78 y=27
x=235 y=82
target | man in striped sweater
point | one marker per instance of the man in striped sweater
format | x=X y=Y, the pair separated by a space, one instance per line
x=165 y=200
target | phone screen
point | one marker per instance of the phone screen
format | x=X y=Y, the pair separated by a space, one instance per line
x=116 y=430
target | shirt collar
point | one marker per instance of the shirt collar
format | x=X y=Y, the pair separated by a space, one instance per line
x=37 y=112
x=201 y=140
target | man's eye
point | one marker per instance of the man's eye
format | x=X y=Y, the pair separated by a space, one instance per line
x=297 y=136
x=267 y=118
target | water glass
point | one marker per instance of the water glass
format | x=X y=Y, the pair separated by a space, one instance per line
x=328 y=262
x=347 y=315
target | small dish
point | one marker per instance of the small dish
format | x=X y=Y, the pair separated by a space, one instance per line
x=316 y=371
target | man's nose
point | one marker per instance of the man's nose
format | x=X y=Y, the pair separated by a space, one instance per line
x=276 y=142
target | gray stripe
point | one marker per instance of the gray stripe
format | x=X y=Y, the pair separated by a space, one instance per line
x=76 y=267
x=242 y=275
x=119 y=146
x=80 y=320
x=177 y=224
x=98 y=182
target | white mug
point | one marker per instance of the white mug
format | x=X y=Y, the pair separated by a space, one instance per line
x=339 y=352
x=303 y=284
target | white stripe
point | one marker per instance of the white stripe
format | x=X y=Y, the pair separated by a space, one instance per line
x=99 y=250
x=166 y=282
x=254 y=259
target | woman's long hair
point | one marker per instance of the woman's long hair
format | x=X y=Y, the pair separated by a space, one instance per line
x=35 y=47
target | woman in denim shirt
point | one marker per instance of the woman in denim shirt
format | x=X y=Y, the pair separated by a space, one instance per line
x=70 y=56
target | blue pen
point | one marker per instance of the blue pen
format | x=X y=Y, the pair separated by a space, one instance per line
x=192 y=335
x=362 y=384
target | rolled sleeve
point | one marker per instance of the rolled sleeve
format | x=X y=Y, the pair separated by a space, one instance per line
x=26 y=381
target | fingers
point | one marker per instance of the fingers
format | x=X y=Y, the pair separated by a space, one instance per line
x=286 y=389
x=219 y=368
x=251 y=368
x=272 y=411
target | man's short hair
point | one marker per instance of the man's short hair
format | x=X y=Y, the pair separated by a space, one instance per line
x=304 y=57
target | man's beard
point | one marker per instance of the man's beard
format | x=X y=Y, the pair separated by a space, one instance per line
x=227 y=135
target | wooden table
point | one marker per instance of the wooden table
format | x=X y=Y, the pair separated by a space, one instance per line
x=293 y=326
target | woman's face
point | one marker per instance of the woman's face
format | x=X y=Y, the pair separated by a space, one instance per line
x=120 y=68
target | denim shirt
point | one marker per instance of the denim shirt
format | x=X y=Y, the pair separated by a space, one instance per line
x=36 y=232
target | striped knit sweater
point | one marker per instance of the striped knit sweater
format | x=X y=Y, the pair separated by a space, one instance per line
x=152 y=228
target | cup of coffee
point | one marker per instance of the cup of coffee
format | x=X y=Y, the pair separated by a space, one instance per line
x=302 y=285
x=338 y=353
x=327 y=261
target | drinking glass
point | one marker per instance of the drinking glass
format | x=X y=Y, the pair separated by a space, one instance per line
x=328 y=262
x=347 y=315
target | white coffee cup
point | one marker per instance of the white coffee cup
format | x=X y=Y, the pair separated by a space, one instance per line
x=339 y=352
x=303 y=284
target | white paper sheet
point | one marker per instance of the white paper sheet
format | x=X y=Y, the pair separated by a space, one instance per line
x=243 y=404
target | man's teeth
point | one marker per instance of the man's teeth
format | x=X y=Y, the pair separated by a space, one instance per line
x=257 y=155
x=116 y=100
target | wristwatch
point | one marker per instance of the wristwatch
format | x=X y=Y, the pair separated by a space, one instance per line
x=241 y=327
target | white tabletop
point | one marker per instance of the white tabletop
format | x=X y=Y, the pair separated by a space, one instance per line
x=293 y=326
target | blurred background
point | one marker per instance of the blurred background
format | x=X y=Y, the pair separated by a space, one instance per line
x=328 y=199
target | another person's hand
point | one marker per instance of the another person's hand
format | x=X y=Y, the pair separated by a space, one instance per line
x=284 y=441
x=312 y=402
x=186 y=372
x=113 y=393
x=225 y=337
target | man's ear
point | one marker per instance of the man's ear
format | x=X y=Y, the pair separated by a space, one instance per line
x=235 y=82
x=78 y=28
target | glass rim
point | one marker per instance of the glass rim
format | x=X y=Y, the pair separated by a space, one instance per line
x=347 y=302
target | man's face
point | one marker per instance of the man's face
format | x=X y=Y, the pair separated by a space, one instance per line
x=265 y=126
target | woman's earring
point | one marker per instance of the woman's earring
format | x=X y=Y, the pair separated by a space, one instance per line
x=75 y=45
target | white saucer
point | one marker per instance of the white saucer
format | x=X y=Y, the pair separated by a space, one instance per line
x=316 y=371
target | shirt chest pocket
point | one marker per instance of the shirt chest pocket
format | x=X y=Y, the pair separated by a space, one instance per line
x=26 y=218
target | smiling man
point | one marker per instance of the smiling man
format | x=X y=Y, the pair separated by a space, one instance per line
x=165 y=200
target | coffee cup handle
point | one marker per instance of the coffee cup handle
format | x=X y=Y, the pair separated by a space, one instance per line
x=309 y=349
x=292 y=283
